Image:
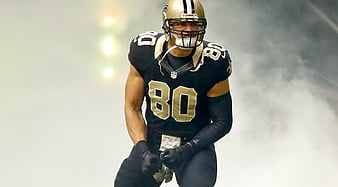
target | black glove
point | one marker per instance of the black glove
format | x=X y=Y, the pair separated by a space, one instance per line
x=173 y=158
x=151 y=163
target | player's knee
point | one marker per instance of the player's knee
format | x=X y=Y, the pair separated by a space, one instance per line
x=201 y=171
x=201 y=181
x=126 y=175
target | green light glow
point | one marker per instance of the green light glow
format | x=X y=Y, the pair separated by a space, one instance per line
x=108 y=72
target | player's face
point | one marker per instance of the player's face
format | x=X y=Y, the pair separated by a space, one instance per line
x=186 y=26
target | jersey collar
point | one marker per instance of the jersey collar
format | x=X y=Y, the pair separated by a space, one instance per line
x=160 y=46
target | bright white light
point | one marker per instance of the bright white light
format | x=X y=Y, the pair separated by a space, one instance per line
x=109 y=20
x=108 y=46
x=108 y=72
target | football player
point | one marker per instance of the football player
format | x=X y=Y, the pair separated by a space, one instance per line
x=184 y=80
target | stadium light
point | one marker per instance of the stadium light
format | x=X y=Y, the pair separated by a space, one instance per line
x=108 y=72
x=108 y=46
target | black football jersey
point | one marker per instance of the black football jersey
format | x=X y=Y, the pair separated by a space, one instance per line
x=176 y=98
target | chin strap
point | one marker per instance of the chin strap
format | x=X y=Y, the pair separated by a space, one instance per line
x=162 y=57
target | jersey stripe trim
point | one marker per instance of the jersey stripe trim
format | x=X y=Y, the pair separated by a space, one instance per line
x=185 y=6
x=189 y=7
x=192 y=7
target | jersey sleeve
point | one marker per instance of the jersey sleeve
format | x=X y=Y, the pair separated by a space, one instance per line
x=135 y=55
x=223 y=68
x=141 y=50
x=216 y=55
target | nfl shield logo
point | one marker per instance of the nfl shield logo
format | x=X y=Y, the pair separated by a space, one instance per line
x=173 y=74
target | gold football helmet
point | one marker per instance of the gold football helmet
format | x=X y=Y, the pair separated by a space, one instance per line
x=184 y=12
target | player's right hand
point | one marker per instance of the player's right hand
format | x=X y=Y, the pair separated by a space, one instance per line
x=150 y=162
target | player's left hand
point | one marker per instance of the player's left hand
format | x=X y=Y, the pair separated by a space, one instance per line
x=173 y=158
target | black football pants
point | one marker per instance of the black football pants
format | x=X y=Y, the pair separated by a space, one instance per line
x=200 y=171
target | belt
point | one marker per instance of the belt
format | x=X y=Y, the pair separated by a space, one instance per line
x=156 y=137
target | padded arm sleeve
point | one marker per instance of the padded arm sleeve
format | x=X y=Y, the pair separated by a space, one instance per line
x=220 y=110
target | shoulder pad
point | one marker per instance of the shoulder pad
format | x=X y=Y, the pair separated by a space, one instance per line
x=218 y=57
x=143 y=45
x=146 y=38
x=142 y=50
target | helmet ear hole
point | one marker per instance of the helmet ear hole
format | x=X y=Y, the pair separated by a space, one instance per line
x=167 y=26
